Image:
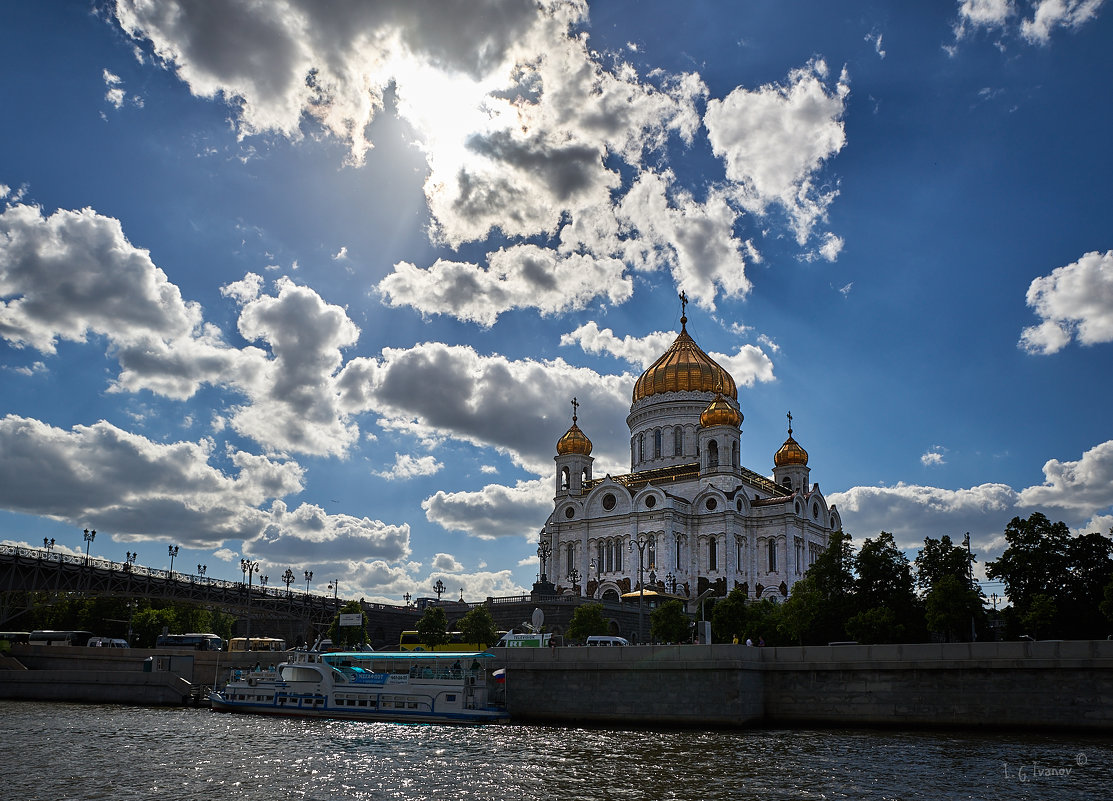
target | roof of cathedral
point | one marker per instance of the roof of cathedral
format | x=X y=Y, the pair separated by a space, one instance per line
x=684 y=367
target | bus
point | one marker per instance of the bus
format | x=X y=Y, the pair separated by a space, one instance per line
x=193 y=642
x=256 y=644
x=59 y=637
x=10 y=638
x=411 y=641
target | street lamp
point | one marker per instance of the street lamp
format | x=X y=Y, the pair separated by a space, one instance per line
x=439 y=589
x=201 y=570
x=173 y=552
x=544 y=551
x=670 y=582
x=89 y=537
x=308 y=578
x=407 y=598
x=288 y=577
x=641 y=541
x=574 y=578
x=249 y=567
x=48 y=544
x=335 y=587
x=130 y=560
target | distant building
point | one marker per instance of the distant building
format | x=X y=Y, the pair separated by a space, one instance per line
x=704 y=521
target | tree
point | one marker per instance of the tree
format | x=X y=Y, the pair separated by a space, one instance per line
x=729 y=617
x=348 y=637
x=1040 y=615
x=669 y=622
x=951 y=606
x=939 y=558
x=587 y=621
x=478 y=627
x=834 y=582
x=432 y=628
x=1089 y=572
x=1035 y=561
x=888 y=610
x=797 y=622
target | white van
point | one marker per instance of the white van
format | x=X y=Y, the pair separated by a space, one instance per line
x=107 y=642
x=596 y=640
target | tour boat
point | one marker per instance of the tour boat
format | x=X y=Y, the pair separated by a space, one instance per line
x=411 y=686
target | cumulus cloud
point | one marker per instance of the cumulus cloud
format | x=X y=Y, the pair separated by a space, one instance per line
x=933 y=457
x=1074 y=302
x=774 y=139
x=447 y=563
x=1082 y=487
x=494 y=511
x=640 y=351
x=435 y=390
x=527 y=132
x=1046 y=17
x=407 y=466
x=289 y=534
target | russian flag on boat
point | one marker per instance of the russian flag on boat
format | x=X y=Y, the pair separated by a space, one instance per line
x=500 y=675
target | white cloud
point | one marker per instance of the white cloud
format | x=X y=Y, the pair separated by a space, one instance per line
x=775 y=139
x=407 y=466
x=1083 y=487
x=1047 y=15
x=1074 y=302
x=446 y=562
x=934 y=457
x=494 y=511
x=641 y=351
x=435 y=390
x=523 y=276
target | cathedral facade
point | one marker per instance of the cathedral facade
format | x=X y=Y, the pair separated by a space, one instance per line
x=688 y=520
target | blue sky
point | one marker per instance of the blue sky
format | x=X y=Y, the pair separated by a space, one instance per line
x=314 y=283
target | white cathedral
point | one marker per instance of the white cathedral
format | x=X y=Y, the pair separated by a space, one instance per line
x=688 y=518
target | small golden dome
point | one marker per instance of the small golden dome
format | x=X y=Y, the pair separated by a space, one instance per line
x=574 y=441
x=684 y=367
x=790 y=453
x=720 y=413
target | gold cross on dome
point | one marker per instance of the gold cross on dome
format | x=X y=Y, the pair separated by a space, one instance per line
x=575 y=408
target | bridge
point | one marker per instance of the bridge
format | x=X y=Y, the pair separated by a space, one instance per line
x=296 y=616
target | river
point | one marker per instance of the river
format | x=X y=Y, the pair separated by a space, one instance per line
x=53 y=751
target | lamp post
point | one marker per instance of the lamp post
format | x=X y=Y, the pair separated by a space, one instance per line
x=89 y=537
x=201 y=570
x=132 y=604
x=48 y=544
x=407 y=598
x=308 y=578
x=130 y=561
x=249 y=567
x=544 y=551
x=288 y=578
x=641 y=541
x=173 y=552
x=335 y=587
x=439 y=589
x=574 y=578
x=670 y=582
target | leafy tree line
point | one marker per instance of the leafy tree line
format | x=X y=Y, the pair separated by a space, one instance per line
x=1058 y=586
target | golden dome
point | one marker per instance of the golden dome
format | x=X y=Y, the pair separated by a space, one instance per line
x=790 y=453
x=574 y=440
x=684 y=367
x=720 y=413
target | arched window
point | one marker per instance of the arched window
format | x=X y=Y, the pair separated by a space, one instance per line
x=787 y=483
x=734 y=454
x=600 y=558
x=739 y=556
x=713 y=454
x=564 y=478
x=651 y=552
x=772 y=556
x=677 y=441
x=677 y=568
x=712 y=554
x=657 y=444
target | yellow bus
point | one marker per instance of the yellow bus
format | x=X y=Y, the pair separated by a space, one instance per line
x=256 y=644
x=411 y=641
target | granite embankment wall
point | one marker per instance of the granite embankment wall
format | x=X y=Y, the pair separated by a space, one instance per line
x=1045 y=685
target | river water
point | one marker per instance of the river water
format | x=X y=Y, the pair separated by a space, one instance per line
x=53 y=751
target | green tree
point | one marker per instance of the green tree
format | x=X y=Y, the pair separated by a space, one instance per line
x=1040 y=615
x=1089 y=572
x=1035 y=561
x=669 y=622
x=149 y=623
x=939 y=558
x=876 y=625
x=479 y=627
x=587 y=621
x=729 y=617
x=348 y=637
x=950 y=607
x=800 y=612
x=432 y=628
x=832 y=573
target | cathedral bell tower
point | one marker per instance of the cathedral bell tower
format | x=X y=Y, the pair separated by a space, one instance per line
x=573 y=459
x=719 y=437
x=790 y=464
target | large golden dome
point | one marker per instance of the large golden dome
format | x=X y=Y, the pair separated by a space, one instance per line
x=720 y=413
x=684 y=367
x=574 y=441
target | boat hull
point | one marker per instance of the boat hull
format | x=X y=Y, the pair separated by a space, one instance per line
x=471 y=716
